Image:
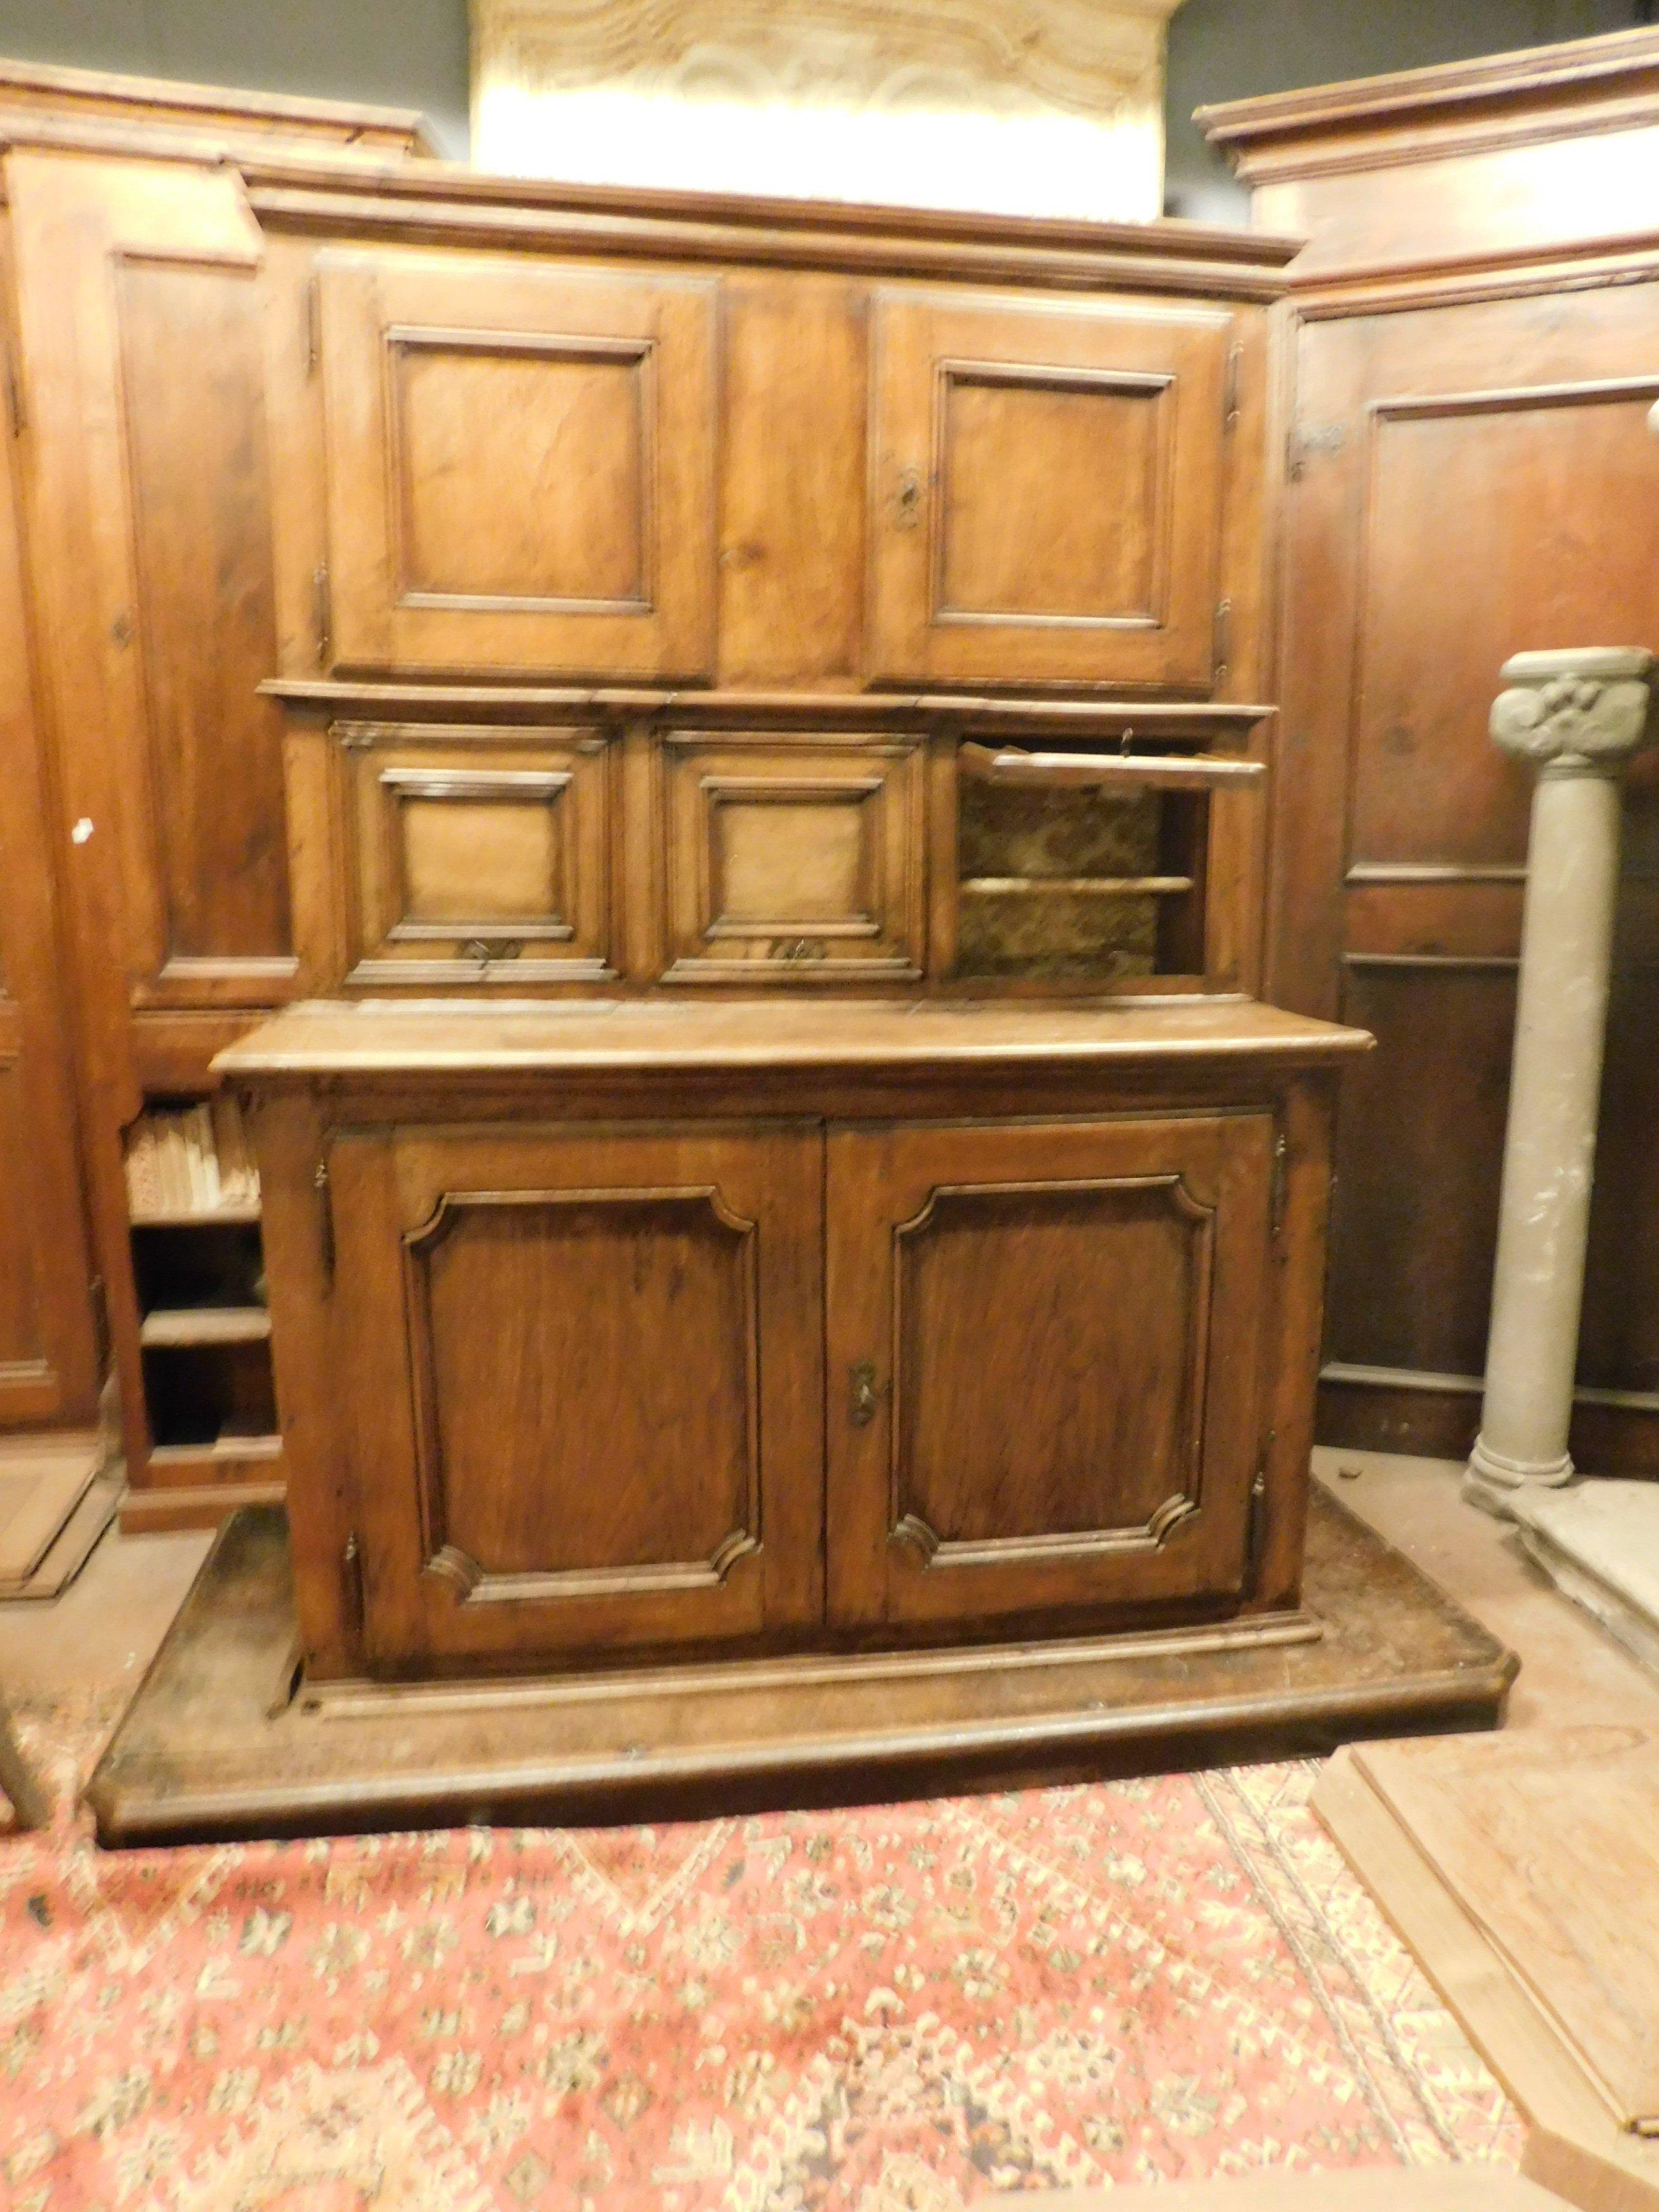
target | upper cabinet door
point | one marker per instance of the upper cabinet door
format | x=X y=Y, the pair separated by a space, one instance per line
x=1044 y=1350
x=1048 y=493
x=521 y=467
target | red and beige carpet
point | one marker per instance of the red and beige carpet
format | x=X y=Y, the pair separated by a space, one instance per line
x=892 y=2009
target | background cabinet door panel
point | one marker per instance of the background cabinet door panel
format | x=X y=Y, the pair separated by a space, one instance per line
x=791 y=863
x=1471 y=480
x=1044 y=1350
x=586 y=1375
x=520 y=466
x=1048 y=493
x=477 y=858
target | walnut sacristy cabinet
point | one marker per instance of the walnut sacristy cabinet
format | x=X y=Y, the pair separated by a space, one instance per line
x=698 y=768
x=748 y=1328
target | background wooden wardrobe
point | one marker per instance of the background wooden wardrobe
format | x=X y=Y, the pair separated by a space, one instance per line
x=144 y=916
x=1471 y=350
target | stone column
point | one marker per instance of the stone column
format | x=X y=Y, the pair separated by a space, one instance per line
x=1577 y=717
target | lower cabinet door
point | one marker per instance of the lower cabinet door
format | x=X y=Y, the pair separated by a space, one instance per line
x=1044 y=1345
x=586 y=1379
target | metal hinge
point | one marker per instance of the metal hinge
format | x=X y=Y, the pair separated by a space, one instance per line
x=325 y=1220
x=322 y=608
x=313 y=325
x=1221 y=639
x=1303 y=439
x=1256 y=1542
x=1230 y=389
x=1280 y=1183
x=351 y=1585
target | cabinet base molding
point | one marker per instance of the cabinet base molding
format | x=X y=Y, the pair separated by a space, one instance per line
x=201 y=1755
x=166 y=1508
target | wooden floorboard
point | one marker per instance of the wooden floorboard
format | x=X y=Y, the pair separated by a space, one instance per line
x=1576 y=2145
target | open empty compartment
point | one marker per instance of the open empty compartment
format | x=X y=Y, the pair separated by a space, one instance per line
x=1092 y=869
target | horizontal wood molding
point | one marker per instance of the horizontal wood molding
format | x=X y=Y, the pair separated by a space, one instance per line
x=1508 y=99
x=1197 y=721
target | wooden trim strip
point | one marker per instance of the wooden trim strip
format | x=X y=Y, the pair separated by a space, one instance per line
x=1437 y=872
x=1488 y=78
x=1204 y=720
x=1102 y=262
x=1355 y=1376
x=1430 y=960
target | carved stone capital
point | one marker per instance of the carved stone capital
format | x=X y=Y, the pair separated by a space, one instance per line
x=1583 y=712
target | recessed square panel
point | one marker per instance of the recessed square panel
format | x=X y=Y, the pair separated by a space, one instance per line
x=521 y=471
x=468 y=861
x=791 y=862
x=1053 y=496
x=807 y=864
x=475 y=856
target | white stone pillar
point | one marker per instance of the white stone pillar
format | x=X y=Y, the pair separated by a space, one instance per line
x=1577 y=716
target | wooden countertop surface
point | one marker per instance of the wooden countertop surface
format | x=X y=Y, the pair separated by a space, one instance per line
x=319 y=1037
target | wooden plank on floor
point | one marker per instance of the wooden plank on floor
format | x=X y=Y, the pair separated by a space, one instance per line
x=1369 y=2189
x=1575 y=2146
x=42 y=1480
x=1549 y=1840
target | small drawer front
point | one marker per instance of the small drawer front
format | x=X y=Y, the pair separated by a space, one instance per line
x=793 y=863
x=473 y=861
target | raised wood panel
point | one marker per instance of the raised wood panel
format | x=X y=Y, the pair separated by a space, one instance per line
x=22 y=1339
x=511 y=1295
x=1048 y=493
x=1007 y=438
x=793 y=862
x=459 y=418
x=792 y=480
x=520 y=466
x=140 y=311
x=1420 y=1154
x=1468 y=480
x=585 y=1386
x=1484 y=536
x=480 y=858
x=1044 y=1344
x=192 y=389
x=974 y=1484
x=48 y=1344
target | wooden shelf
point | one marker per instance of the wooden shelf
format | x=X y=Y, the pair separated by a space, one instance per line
x=1078 y=886
x=201 y=1217
x=1079 y=771
x=191 y=1325
x=227 y=1451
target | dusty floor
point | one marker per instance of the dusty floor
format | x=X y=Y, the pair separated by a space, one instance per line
x=95 y=1640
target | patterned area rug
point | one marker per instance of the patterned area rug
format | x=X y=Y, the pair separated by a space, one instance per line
x=893 y=2009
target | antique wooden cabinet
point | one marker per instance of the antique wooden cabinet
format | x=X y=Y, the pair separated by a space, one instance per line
x=685 y=503
x=746 y=1327
x=1472 y=355
x=735 y=734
